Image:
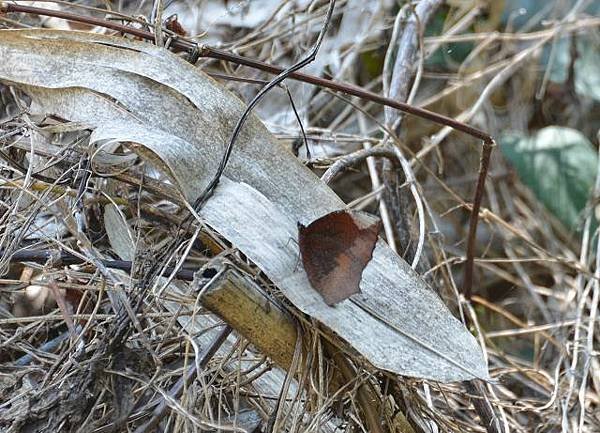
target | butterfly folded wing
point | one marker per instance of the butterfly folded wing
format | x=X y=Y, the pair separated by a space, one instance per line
x=335 y=250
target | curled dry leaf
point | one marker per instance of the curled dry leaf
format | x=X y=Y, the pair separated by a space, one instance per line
x=178 y=119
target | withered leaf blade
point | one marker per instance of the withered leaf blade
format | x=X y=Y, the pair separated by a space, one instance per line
x=122 y=89
x=335 y=250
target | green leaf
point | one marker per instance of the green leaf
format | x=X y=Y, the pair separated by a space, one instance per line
x=447 y=56
x=559 y=165
x=587 y=69
x=520 y=13
x=587 y=65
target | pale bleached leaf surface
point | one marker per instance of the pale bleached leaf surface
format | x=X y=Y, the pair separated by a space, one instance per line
x=180 y=120
x=119 y=235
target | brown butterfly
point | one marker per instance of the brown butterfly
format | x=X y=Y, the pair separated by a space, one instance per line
x=335 y=250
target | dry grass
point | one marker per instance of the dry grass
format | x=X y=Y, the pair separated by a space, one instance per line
x=536 y=292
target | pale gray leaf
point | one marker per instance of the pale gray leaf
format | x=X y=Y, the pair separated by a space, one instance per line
x=180 y=120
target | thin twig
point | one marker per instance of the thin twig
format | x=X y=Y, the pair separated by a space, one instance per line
x=181 y=44
x=377 y=185
x=406 y=49
x=355 y=158
x=484 y=162
x=185 y=380
x=64 y=258
x=205 y=195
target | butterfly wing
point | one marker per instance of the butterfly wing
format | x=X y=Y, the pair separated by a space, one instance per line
x=335 y=250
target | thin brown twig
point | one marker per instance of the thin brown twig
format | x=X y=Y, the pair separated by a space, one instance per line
x=355 y=158
x=484 y=164
x=64 y=258
x=181 y=44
